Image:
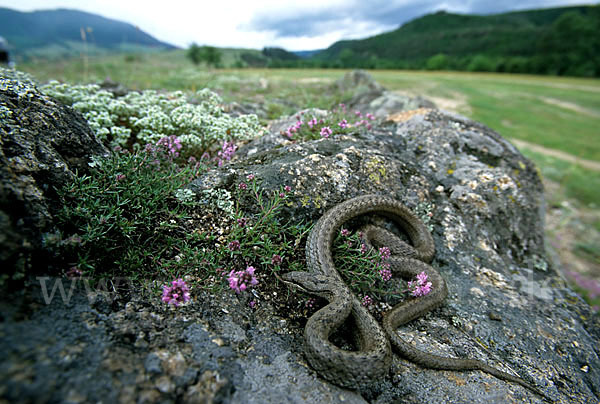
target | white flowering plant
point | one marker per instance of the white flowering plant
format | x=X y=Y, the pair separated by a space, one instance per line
x=139 y=118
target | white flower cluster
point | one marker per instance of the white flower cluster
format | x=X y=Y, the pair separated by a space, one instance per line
x=150 y=115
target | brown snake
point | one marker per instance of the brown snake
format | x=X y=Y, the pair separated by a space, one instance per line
x=373 y=358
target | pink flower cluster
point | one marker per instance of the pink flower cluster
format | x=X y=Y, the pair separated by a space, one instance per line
x=171 y=144
x=226 y=153
x=326 y=132
x=421 y=286
x=241 y=280
x=177 y=293
x=316 y=126
x=385 y=271
x=385 y=253
x=294 y=128
x=367 y=301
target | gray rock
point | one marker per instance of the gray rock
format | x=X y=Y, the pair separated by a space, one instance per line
x=42 y=144
x=357 y=81
x=507 y=305
x=364 y=94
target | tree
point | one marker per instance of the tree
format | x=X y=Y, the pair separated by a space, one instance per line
x=212 y=56
x=437 y=62
x=481 y=63
x=207 y=54
x=194 y=53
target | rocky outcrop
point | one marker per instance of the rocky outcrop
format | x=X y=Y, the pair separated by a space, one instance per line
x=368 y=96
x=43 y=143
x=483 y=201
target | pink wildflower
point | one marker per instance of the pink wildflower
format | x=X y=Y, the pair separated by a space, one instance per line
x=385 y=253
x=343 y=124
x=420 y=287
x=276 y=259
x=74 y=272
x=345 y=232
x=177 y=293
x=363 y=248
x=227 y=151
x=326 y=131
x=241 y=280
x=385 y=273
x=171 y=144
x=367 y=301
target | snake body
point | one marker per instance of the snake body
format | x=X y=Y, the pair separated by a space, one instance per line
x=373 y=358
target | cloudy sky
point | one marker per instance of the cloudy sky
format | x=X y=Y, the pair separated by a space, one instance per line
x=291 y=24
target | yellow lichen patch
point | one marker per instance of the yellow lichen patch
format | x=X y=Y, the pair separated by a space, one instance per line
x=406 y=115
x=307 y=200
x=376 y=169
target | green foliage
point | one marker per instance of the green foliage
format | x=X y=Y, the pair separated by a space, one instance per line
x=119 y=219
x=481 y=63
x=254 y=59
x=207 y=54
x=279 y=54
x=437 y=62
x=147 y=116
x=194 y=53
x=360 y=266
x=262 y=239
x=131 y=217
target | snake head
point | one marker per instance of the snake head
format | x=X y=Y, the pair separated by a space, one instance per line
x=314 y=284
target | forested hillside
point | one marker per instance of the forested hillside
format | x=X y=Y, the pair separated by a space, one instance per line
x=563 y=41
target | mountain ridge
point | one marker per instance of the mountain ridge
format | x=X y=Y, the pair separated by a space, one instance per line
x=66 y=32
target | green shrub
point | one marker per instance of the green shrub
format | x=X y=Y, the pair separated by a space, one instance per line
x=437 y=62
x=481 y=63
x=118 y=219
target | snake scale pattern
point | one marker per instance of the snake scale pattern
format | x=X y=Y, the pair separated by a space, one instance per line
x=372 y=360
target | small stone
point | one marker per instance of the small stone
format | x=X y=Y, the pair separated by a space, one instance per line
x=164 y=384
x=152 y=364
x=218 y=341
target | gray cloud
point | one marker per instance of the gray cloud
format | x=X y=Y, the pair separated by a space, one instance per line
x=355 y=18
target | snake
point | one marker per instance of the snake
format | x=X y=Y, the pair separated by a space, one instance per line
x=372 y=360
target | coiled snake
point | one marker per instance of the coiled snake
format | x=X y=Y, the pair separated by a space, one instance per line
x=372 y=360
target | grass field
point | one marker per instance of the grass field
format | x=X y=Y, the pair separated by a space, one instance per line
x=558 y=115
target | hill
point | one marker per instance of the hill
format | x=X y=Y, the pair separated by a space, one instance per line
x=63 y=32
x=562 y=40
